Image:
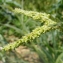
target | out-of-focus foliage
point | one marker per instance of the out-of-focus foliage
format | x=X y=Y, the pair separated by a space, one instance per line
x=48 y=45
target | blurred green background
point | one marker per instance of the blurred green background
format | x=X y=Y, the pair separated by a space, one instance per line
x=48 y=47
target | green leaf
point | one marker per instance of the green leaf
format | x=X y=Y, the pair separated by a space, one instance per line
x=60 y=58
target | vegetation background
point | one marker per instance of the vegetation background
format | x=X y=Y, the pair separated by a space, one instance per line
x=48 y=47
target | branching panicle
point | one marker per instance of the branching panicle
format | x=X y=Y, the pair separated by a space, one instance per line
x=43 y=17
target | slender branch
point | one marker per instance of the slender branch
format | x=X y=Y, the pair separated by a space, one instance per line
x=42 y=17
x=34 y=34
